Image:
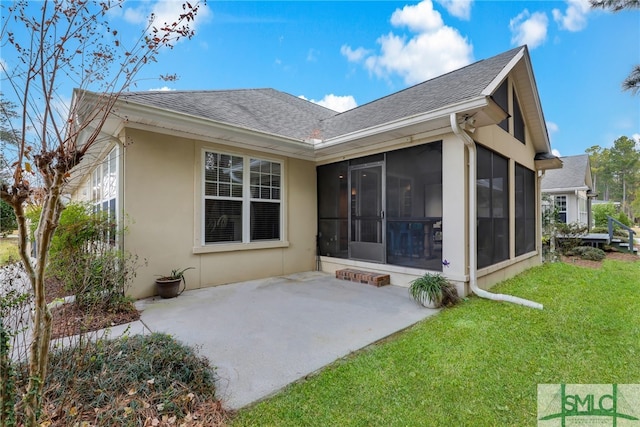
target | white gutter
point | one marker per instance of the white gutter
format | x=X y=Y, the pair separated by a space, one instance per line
x=473 y=262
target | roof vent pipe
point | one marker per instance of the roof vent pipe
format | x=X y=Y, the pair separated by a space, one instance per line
x=473 y=262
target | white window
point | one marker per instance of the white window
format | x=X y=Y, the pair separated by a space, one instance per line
x=561 y=207
x=582 y=210
x=104 y=184
x=242 y=199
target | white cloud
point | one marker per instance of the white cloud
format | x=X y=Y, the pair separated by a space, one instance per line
x=3 y=66
x=165 y=11
x=169 y=11
x=162 y=89
x=354 y=55
x=335 y=102
x=575 y=17
x=556 y=153
x=418 y=18
x=529 y=29
x=458 y=8
x=135 y=15
x=434 y=50
x=636 y=138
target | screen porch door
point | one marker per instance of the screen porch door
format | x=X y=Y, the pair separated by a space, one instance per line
x=366 y=215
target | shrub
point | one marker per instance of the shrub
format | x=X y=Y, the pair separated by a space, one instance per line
x=7 y=218
x=588 y=253
x=623 y=218
x=84 y=256
x=571 y=236
x=601 y=211
x=127 y=381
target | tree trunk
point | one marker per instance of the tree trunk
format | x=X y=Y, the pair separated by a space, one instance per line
x=41 y=332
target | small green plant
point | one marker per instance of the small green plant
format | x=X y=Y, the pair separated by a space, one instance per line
x=433 y=290
x=176 y=274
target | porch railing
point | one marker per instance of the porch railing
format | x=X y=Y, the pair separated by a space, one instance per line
x=611 y=221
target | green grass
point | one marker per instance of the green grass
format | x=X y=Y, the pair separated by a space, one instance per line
x=479 y=364
x=8 y=249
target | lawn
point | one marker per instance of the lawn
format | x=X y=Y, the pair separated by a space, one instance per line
x=8 y=249
x=479 y=364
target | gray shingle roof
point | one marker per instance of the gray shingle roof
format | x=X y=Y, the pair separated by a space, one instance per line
x=459 y=85
x=572 y=175
x=264 y=110
x=279 y=113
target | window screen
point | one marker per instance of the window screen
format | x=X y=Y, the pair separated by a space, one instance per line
x=525 y=210
x=492 y=187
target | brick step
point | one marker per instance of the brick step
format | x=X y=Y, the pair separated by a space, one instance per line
x=359 y=276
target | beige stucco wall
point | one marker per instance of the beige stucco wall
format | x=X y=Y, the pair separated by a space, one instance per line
x=162 y=201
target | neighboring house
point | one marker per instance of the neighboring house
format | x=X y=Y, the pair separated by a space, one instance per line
x=570 y=189
x=248 y=184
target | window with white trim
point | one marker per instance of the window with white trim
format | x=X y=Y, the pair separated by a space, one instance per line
x=561 y=208
x=104 y=185
x=242 y=199
x=582 y=211
x=104 y=192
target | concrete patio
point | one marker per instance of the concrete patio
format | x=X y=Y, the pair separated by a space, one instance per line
x=265 y=334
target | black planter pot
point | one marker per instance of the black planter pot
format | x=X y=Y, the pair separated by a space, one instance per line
x=169 y=288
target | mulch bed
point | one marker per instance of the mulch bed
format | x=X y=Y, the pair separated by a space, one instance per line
x=618 y=256
x=70 y=319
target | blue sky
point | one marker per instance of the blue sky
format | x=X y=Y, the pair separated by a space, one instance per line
x=344 y=54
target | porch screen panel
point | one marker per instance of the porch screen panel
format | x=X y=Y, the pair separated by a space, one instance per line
x=525 y=210
x=414 y=206
x=333 y=205
x=492 y=188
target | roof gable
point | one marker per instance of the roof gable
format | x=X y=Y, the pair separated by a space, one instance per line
x=575 y=174
x=456 y=86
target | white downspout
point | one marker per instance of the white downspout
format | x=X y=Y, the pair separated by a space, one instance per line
x=473 y=263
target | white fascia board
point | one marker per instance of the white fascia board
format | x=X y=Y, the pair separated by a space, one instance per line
x=564 y=189
x=488 y=91
x=461 y=107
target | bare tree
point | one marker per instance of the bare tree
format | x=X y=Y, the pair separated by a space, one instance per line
x=56 y=42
